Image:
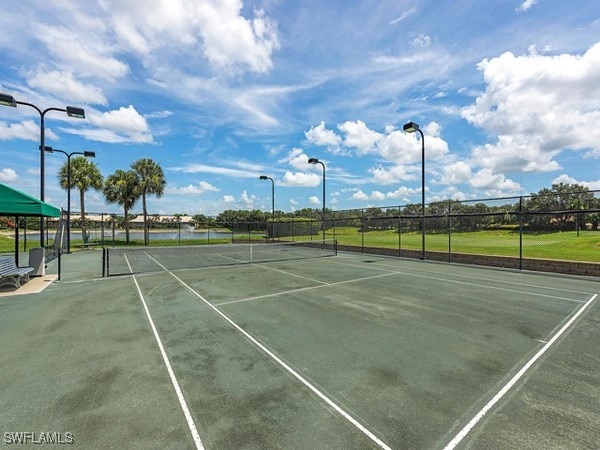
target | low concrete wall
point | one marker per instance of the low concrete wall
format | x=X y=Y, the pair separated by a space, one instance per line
x=541 y=265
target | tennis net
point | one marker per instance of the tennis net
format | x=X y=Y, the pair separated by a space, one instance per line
x=127 y=260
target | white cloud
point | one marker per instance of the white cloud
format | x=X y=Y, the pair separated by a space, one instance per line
x=399 y=148
x=124 y=120
x=455 y=173
x=64 y=84
x=314 y=200
x=228 y=40
x=494 y=185
x=526 y=5
x=360 y=195
x=538 y=106
x=159 y=114
x=121 y=125
x=404 y=15
x=247 y=200
x=25 y=130
x=300 y=179
x=421 y=41
x=204 y=168
x=359 y=136
x=190 y=189
x=109 y=136
x=8 y=175
x=566 y=179
x=376 y=195
x=88 y=52
x=323 y=137
x=403 y=193
x=231 y=40
x=394 y=174
x=297 y=159
x=228 y=199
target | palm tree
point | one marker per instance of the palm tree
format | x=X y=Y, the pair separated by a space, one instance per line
x=151 y=181
x=85 y=175
x=122 y=187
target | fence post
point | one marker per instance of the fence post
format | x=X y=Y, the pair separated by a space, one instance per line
x=334 y=236
x=577 y=222
x=520 y=233
x=449 y=231
x=399 y=234
x=362 y=230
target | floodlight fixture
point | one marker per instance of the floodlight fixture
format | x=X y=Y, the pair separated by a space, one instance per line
x=264 y=177
x=74 y=111
x=316 y=161
x=411 y=127
x=8 y=100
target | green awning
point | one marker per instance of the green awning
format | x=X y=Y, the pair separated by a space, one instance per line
x=17 y=203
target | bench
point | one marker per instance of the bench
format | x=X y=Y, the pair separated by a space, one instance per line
x=11 y=274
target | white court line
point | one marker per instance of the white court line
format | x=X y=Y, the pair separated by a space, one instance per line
x=485 y=286
x=174 y=382
x=488 y=279
x=276 y=270
x=280 y=271
x=291 y=371
x=292 y=274
x=502 y=392
x=275 y=294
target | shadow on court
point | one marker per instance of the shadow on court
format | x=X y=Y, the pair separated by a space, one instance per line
x=334 y=352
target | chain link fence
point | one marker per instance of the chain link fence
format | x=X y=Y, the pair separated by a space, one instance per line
x=521 y=232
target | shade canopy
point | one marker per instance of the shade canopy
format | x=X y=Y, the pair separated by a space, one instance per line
x=17 y=203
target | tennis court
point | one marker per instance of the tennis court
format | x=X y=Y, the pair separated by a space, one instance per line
x=335 y=351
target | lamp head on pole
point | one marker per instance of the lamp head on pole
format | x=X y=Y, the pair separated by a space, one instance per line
x=263 y=177
x=88 y=154
x=410 y=127
x=73 y=111
x=313 y=160
x=48 y=149
x=8 y=100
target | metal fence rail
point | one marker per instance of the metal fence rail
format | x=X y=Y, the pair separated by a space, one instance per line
x=509 y=232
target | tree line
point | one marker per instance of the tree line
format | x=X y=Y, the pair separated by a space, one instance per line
x=559 y=208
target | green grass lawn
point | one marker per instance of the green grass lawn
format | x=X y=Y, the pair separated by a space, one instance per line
x=562 y=246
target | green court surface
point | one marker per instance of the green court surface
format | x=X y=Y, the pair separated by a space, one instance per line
x=340 y=352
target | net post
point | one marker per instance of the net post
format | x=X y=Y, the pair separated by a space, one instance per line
x=103 y=262
x=59 y=267
x=107 y=262
x=335 y=247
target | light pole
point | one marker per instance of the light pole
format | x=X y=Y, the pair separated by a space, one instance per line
x=316 y=161
x=87 y=155
x=264 y=177
x=72 y=111
x=411 y=127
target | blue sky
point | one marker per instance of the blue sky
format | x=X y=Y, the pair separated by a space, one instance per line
x=219 y=92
